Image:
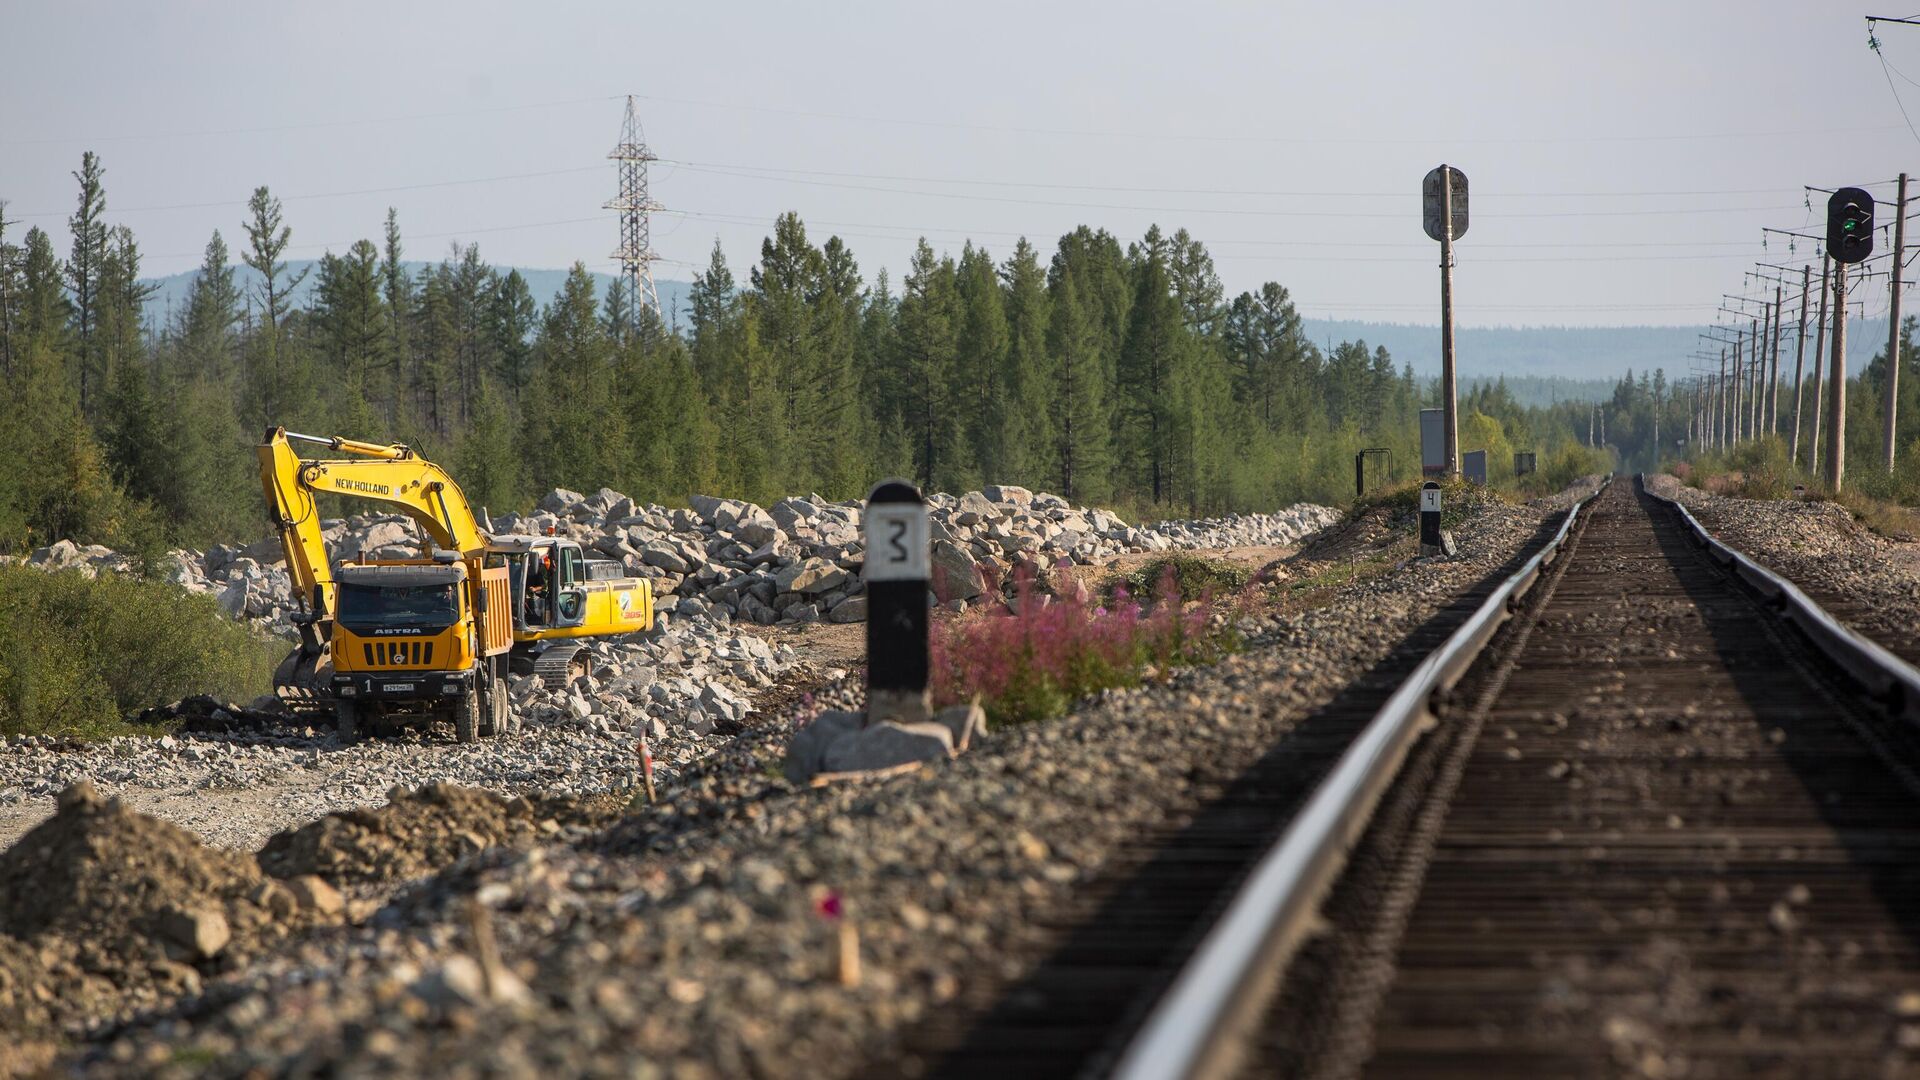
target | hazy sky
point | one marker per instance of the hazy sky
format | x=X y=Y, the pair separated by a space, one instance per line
x=1290 y=137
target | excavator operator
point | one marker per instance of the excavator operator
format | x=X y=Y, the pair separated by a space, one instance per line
x=540 y=590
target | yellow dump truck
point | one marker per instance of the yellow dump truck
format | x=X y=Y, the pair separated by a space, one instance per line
x=396 y=641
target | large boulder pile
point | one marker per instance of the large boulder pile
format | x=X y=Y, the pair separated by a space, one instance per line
x=1279 y=529
x=797 y=561
x=696 y=674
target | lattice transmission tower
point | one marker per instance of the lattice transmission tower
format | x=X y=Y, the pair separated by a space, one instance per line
x=635 y=252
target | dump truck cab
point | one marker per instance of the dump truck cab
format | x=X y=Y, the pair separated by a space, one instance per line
x=421 y=639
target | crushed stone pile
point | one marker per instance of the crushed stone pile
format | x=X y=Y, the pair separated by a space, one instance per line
x=422 y=831
x=798 y=561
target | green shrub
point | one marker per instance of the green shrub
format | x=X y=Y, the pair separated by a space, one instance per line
x=1191 y=576
x=78 y=655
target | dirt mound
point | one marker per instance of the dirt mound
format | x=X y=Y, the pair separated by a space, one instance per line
x=1365 y=532
x=422 y=831
x=103 y=910
x=210 y=715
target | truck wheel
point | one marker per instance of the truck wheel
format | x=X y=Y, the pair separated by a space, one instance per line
x=466 y=719
x=485 y=690
x=502 y=708
x=346 y=720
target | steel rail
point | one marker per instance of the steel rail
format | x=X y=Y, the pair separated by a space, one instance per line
x=1885 y=675
x=1186 y=1035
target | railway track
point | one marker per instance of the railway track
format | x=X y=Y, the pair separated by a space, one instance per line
x=1667 y=824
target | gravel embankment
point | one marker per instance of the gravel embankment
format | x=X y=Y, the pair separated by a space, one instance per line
x=1867 y=581
x=688 y=940
x=237 y=788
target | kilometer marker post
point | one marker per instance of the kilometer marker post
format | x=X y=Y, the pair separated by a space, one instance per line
x=897 y=572
x=1431 y=542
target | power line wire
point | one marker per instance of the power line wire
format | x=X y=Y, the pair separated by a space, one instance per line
x=1257 y=139
x=333 y=194
x=1227 y=211
x=310 y=126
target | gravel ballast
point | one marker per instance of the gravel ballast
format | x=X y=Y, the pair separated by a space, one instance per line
x=1865 y=580
x=698 y=937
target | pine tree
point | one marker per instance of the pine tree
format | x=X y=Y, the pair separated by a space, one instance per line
x=1022 y=411
x=281 y=388
x=354 y=328
x=840 y=443
x=398 y=293
x=44 y=309
x=471 y=283
x=1079 y=414
x=512 y=318
x=577 y=431
x=131 y=422
x=980 y=363
x=1155 y=345
x=786 y=282
x=1196 y=284
x=712 y=314
x=617 y=319
x=924 y=372
x=9 y=294
x=68 y=493
x=84 y=267
x=213 y=308
x=487 y=459
x=431 y=380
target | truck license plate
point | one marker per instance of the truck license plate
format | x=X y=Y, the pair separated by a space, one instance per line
x=393 y=686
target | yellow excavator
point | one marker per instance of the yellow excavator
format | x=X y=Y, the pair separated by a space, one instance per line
x=388 y=642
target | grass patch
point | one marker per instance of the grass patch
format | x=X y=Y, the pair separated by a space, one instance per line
x=1457 y=497
x=1035 y=662
x=1190 y=575
x=78 y=655
x=1888 y=519
x=1760 y=469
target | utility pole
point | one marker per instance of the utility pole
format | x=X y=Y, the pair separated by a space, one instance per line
x=1719 y=402
x=1837 y=390
x=6 y=302
x=1819 y=355
x=1773 y=370
x=1799 y=357
x=1449 y=387
x=1739 y=411
x=1756 y=368
x=1893 y=326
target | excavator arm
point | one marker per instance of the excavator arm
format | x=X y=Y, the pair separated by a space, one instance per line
x=391 y=474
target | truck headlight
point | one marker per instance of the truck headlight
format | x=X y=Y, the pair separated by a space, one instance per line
x=348 y=691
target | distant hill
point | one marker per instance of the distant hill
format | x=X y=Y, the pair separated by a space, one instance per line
x=1581 y=354
x=1567 y=352
x=174 y=289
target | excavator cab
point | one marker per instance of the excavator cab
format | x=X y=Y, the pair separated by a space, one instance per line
x=570 y=598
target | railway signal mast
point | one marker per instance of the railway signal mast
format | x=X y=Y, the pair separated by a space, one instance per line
x=1444 y=205
x=1849 y=240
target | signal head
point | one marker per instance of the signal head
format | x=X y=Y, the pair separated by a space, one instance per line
x=1850 y=225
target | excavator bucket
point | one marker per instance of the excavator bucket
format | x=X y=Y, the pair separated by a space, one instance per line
x=304 y=683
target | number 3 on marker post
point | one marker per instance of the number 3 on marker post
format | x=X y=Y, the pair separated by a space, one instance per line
x=896 y=542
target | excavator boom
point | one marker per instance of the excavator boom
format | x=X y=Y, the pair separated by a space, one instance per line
x=392 y=474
